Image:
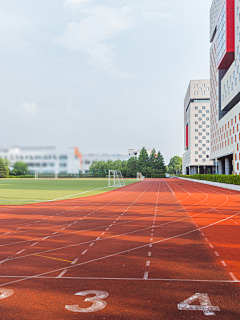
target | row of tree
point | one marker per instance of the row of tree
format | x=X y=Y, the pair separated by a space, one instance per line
x=149 y=165
x=19 y=168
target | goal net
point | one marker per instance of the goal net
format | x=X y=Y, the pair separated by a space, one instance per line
x=46 y=175
x=115 y=179
x=139 y=176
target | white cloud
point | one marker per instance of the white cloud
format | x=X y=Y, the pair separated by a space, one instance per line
x=29 y=107
x=94 y=33
x=75 y=2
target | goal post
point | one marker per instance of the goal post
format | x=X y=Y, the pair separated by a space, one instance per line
x=139 y=176
x=115 y=179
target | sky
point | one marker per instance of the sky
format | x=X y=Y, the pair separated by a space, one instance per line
x=104 y=76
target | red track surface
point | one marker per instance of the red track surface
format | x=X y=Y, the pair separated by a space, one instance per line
x=146 y=247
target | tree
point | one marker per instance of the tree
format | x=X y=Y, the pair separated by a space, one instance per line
x=132 y=167
x=4 y=171
x=143 y=162
x=20 y=168
x=160 y=164
x=175 y=165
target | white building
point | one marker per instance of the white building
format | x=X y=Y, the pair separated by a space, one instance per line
x=51 y=160
x=225 y=84
x=197 y=129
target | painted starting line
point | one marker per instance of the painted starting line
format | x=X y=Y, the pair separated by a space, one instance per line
x=127 y=279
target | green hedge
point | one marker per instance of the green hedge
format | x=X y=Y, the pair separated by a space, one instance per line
x=26 y=176
x=161 y=175
x=222 y=178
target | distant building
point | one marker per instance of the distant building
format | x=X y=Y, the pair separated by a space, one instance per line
x=52 y=160
x=197 y=129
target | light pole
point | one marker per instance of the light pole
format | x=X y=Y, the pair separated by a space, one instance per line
x=216 y=165
x=198 y=168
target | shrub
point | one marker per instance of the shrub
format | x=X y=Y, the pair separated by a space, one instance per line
x=222 y=178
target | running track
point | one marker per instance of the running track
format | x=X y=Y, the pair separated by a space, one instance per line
x=157 y=249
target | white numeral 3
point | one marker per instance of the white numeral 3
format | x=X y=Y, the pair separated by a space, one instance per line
x=97 y=302
x=5 y=293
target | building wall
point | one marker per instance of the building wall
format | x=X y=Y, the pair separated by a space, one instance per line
x=225 y=93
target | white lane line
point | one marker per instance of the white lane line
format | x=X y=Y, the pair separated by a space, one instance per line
x=151 y=239
x=206 y=239
x=149 y=253
x=107 y=229
x=151 y=234
x=34 y=244
x=211 y=246
x=130 y=279
x=216 y=253
x=114 y=221
x=45 y=238
x=148 y=263
x=102 y=233
x=3 y=261
x=203 y=234
x=150 y=246
x=91 y=244
x=98 y=238
x=233 y=276
x=55 y=232
x=152 y=230
x=224 y=263
x=85 y=251
x=75 y=261
x=61 y=274
x=20 y=251
x=145 y=277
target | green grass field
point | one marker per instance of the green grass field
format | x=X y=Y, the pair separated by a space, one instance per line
x=23 y=191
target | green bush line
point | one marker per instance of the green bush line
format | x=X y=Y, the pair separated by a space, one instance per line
x=21 y=176
x=222 y=178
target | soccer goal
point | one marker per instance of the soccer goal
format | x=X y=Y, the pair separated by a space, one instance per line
x=46 y=175
x=139 y=176
x=115 y=179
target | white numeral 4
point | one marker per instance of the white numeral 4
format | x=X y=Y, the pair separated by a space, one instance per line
x=205 y=304
x=97 y=302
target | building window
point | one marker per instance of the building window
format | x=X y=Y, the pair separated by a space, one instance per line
x=62 y=165
x=203 y=92
x=199 y=89
x=195 y=85
x=204 y=108
x=63 y=157
x=196 y=122
x=196 y=145
x=200 y=156
x=196 y=137
x=199 y=111
x=207 y=89
x=196 y=130
x=196 y=115
x=196 y=108
x=195 y=92
x=196 y=152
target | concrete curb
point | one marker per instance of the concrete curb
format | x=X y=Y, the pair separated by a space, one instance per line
x=216 y=184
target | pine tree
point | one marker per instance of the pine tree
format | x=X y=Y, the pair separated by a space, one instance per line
x=160 y=164
x=153 y=159
x=143 y=161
